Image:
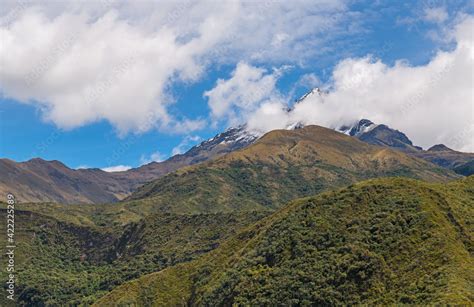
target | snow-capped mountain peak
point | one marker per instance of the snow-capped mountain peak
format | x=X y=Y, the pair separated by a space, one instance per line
x=294 y=126
x=235 y=137
x=314 y=91
x=358 y=128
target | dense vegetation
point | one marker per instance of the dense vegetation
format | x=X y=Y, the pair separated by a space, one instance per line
x=465 y=169
x=65 y=262
x=385 y=241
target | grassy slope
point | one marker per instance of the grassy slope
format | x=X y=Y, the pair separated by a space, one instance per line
x=380 y=241
x=281 y=166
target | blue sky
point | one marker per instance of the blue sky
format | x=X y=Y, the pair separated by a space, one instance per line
x=388 y=31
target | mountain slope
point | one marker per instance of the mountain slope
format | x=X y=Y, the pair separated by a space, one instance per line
x=69 y=255
x=382 y=135
x=230 y=140
x=466 y=169
x=280 y=166
x=446 y=157
x=38 y=180
x=384 y=241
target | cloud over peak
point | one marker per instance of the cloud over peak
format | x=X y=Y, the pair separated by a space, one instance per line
x=82 y=62
x=432 y=103
x=242 y=93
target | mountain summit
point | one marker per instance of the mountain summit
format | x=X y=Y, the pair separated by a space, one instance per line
x=382 y=135
x=440 y=147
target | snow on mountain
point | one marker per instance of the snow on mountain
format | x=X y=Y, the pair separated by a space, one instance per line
x=239 y=136
x=358 y=128
x=314 y=91
x=294 y=126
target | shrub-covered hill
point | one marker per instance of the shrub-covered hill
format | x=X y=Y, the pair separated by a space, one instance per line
x=383 y=241
x=281 y=166
x=70 y=260
x=466 y=169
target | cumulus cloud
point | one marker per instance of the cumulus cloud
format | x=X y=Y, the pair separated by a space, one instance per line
x=431 y=103
x=87 y=61
x=116 y=168
x=242 y=93
x=80 y=71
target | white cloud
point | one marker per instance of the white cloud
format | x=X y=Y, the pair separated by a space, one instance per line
x=241 y=94
x=279 y=39
x=270 y=116
x=85 y=61
x=116 y=168
x=154 y=157
x=185 y=144
x=432 y=103
x=106 y=69
x=435 y=14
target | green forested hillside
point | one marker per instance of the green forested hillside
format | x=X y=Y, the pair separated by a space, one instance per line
x=70 y=260
x=466 y=169
x=383 y=241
